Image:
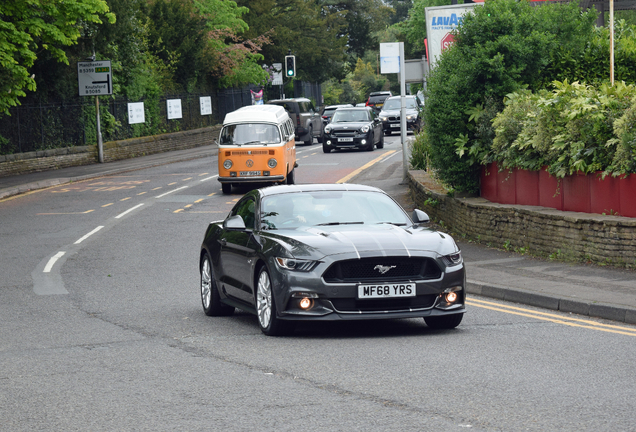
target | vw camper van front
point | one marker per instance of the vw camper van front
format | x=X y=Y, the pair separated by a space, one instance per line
x=256 y=145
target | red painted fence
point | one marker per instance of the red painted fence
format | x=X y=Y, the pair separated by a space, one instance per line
x=580 y=193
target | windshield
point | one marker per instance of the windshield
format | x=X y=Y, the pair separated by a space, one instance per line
x=394 y=104
x=250 y=133
x=323 y=208
x=345 y=116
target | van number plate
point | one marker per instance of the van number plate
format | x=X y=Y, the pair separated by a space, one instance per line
x=249 y=173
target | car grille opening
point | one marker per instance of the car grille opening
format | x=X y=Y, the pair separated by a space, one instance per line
x=382 y=269
x=384 y=304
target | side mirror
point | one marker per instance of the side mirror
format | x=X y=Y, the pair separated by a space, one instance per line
x=234 y=222
x=420 y=217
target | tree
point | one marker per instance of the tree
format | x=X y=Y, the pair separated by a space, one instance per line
x=29 y=26
x=313 y=31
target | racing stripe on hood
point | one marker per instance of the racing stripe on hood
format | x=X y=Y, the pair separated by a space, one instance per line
x=380 y=240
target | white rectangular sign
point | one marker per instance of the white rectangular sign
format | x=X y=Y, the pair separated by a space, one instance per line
x=136 y=113
x=390 y=58
x=206 y=105
x=95 y=78
x=278 y=74
x=174 y=109
x=440 y=21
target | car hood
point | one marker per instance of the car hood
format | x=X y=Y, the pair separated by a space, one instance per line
x=363 y=240
x=348 y=125
x=409 y=111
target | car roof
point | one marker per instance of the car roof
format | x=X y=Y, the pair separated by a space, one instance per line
x=301 y=99
x=338 y=106
x=285 y=189
x=379 y=93
x=406 y=96
x=257 y=113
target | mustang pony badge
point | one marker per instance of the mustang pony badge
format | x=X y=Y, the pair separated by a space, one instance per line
x=383 y=269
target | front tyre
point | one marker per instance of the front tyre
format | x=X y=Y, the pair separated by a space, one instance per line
x=269 y=323
x=210 y=298
x=227 y=188
x=381 y=142
x=326 y=148
x=444 y=321
x=291 y=177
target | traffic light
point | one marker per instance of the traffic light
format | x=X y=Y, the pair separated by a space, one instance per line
x=290 y=66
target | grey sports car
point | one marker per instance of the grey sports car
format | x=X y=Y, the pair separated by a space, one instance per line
x=329 y=252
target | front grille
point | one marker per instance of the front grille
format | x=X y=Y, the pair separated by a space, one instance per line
x=385 y=304
x=343 y=133
x=368 y=270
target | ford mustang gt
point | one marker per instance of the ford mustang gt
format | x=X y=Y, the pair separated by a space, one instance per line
x=329 y=252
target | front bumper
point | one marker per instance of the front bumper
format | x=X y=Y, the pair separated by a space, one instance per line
x=357 y=141
x=394 y=125
x=252 y=179
x=340 y=302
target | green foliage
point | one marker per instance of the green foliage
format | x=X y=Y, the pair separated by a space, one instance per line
x=501 y=47
x=30 y=26
x=420 y=149
x=573 y=128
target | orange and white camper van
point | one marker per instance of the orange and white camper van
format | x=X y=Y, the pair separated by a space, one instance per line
x=256 y=145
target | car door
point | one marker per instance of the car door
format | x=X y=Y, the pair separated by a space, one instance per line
x=238 y=250
x=316 y=119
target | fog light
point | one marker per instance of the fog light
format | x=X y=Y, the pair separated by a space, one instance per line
x=305 y=303
x=451 y=297
x=363 y=142
x=328 y=142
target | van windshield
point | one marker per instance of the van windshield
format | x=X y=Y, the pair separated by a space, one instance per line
x=250 y=133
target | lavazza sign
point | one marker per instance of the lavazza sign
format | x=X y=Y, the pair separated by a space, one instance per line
x=440 y=22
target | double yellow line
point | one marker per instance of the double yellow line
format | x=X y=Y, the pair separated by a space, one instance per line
x=557 y=319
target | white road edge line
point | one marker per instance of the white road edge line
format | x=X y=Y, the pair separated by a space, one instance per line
x=89 y=234
x=167 y=193
x=209 y=178
x=129 y=210
x=52 y=261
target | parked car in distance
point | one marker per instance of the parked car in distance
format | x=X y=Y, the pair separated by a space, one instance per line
x=376 y=99
x=329 y=252
x=305 y=117
x=256 y=145
x=353 y=128
x=390 y=114
x=329 y=110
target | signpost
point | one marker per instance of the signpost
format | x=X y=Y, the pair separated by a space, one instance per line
x=392 y=61
x=95 y=78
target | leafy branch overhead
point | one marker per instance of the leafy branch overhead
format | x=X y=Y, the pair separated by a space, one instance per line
x=29 y=26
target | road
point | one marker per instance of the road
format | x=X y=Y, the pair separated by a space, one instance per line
x=101 y=328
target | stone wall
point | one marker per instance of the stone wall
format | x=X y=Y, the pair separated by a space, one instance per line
x=24 y=163
x=536 y=230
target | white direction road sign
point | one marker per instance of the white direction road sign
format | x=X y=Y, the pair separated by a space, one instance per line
x=95 y=78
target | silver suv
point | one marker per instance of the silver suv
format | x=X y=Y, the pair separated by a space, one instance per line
x=307 y=120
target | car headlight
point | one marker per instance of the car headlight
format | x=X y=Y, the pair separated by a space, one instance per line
x=272 y=163
x=411 y=117
x=453 y=259
x=365 y=129
x=328 y=129
x=302 y=265
x=227 y=164
x=383 y=118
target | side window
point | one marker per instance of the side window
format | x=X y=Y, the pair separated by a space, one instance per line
x=245 y=209
x=311 y=107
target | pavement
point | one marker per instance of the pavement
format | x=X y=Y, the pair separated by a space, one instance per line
x=587 y=290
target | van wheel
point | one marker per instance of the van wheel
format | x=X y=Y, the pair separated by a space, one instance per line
x=290 y=177
x=226 y=187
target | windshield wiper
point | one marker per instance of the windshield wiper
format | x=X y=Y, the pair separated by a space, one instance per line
x=393 y=223
x=340 y=223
